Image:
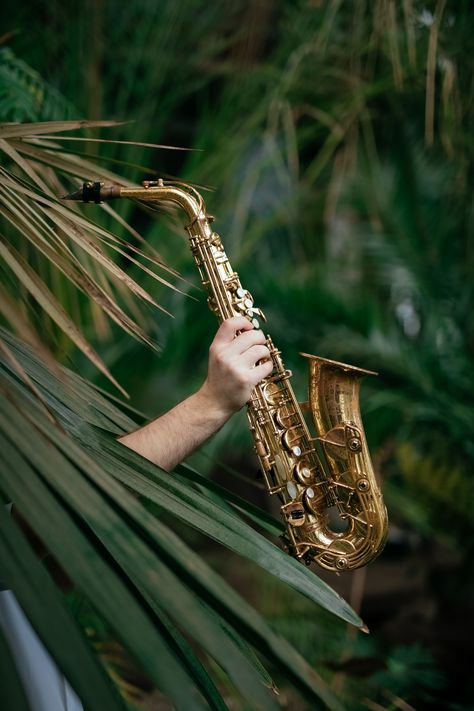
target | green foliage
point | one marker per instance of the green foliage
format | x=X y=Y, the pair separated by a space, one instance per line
x=60 y=457
x=441 y=488
x=362 y=670
x=343 y=172
x=336 y=138
x=25 y=96
x=411 y=674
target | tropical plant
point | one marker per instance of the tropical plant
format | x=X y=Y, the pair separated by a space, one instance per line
x=24 y=95
x=66 y=473
x=337 y=139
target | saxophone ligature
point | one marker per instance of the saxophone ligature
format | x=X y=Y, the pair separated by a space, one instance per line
x=331 y=503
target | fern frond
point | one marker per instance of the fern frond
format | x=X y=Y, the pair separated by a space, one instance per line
x=26 y=96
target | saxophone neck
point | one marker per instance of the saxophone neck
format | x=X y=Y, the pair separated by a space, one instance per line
x=150 y=191
x=226 y=296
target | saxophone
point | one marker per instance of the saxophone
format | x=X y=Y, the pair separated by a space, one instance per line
x=330 y=501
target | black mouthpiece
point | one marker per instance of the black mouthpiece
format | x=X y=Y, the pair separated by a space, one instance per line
x=90 y=193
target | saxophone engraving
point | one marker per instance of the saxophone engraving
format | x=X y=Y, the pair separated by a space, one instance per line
x=330 y=501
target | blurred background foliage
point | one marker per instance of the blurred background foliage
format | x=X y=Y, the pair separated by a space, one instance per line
x=333 y=141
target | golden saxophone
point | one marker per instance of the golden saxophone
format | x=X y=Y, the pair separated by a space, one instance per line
x=331 y=503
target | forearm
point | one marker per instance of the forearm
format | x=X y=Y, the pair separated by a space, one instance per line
x=238 y=360
x=169 y=439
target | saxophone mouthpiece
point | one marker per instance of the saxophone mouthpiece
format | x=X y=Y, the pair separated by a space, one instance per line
x=94 y=192
x=76 y=196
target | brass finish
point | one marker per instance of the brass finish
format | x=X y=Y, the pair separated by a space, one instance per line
x=331 y=503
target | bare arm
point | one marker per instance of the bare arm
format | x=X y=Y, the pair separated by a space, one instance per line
x=238 y=360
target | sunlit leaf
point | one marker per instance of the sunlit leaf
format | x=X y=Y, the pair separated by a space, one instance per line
x=45 y=298
x=13 y=130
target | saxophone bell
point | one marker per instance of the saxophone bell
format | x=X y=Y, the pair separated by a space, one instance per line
x=357 y=519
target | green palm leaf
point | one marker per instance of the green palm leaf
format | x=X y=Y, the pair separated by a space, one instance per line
x=43 y=236
x=138 y=542
x=37 y=593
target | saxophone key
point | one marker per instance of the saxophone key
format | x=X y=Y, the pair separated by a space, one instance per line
x=304 y=473
x=292 y=440
x=263 y=455
x=215 y=240
x=294 y=513
x=313 y=500
x=284 y=417
x=280 y=375
x=307 y=452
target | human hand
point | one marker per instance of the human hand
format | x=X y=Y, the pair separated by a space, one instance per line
x=238 y=360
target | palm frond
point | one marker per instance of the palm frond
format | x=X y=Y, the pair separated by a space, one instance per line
x=84 y=469
x=54 y=237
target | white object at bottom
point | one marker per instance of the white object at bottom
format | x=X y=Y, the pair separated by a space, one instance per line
x=44 y=684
